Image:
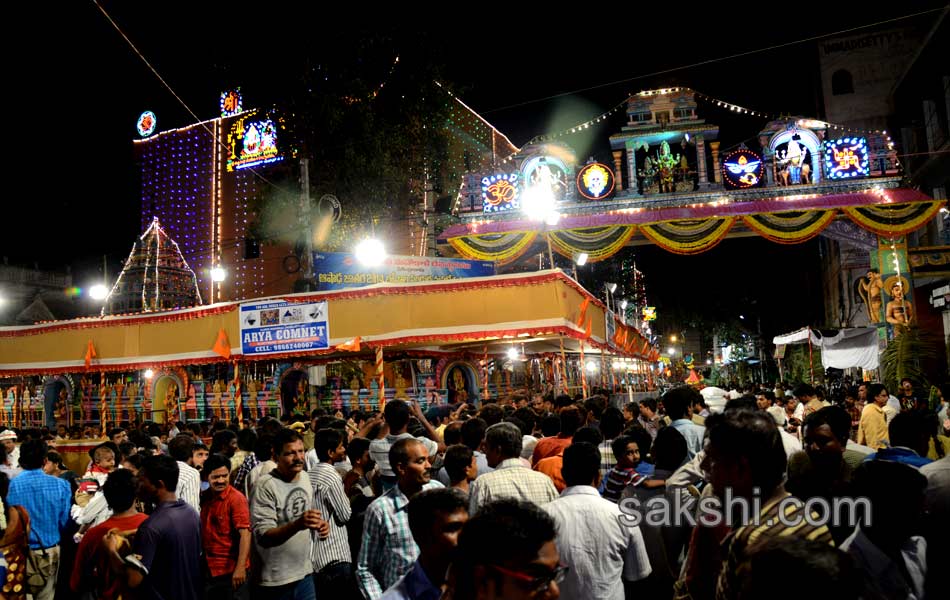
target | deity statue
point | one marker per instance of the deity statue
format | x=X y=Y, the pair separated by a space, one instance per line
x=337 y=394
x=665 y=165
x=400 y=386
x=458 y=385
x=132 y=390
x=870 y=291
x=171 y=402
x=303 y=391
x=230 y=408
x=795 y=170
x=218 y=390
x=374 y=390
x=898 y=311
x=354 y=392
x=253 y=387
x=431 y=393
x=119 y=389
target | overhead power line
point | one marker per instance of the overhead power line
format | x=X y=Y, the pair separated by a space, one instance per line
x=709 y=61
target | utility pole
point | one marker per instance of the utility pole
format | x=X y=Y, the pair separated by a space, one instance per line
x=761 y=348
x=306 y=223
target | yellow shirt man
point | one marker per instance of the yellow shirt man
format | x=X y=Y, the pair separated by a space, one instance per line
x=872 y=430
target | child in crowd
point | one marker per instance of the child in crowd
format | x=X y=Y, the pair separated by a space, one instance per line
x=91 y=508
x=627 y=452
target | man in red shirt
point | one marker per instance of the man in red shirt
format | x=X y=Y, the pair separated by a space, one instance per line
x=225 y=533
x=91 y=572
x=554 y=445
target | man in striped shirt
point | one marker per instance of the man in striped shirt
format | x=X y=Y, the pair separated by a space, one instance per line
x=388 y=549
x=181 y=448
x=745 y=461
x=331 y=555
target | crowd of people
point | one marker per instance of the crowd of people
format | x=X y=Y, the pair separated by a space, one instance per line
x=529 y=497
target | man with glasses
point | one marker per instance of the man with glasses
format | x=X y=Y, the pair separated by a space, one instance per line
x=507 y=551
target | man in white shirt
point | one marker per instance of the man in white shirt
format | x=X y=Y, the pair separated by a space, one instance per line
x=181 y=448
x=791 y=443
x=601 y=551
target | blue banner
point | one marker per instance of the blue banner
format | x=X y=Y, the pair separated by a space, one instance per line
x=279 y=326
x=336 y=270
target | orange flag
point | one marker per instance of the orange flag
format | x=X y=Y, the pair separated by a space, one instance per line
x=618 y=335
x=583 y=315
x=222 y=347
x=352 y=345
x=590 y=323
x=90 y=353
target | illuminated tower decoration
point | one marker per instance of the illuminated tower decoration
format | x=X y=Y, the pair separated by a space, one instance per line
x=155 y=277
x=206 y=186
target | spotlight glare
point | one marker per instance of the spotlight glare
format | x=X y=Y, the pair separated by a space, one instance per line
x=98 y=292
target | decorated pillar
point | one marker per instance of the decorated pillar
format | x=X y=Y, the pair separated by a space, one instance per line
x=717 y=175
x=890 y=288
x=701 y=161
x=618 y=169
x=632 y=168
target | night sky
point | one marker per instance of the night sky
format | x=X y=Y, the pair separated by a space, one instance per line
x=75 y=88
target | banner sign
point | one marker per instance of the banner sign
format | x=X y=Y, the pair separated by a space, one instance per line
x=280 y=326
x=337 y=270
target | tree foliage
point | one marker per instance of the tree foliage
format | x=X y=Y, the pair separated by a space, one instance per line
x=372 y=128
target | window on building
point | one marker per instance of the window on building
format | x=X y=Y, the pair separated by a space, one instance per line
x=842 y=82
x=662 y=118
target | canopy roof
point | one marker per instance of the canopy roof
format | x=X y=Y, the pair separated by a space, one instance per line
x=484 y=314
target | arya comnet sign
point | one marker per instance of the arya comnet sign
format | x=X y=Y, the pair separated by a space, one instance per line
x=280 y=326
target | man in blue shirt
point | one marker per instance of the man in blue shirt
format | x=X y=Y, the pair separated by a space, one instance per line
x=909 y=434
x=436 y=518
x=168 y=542
x=679 y=403
x=47 y=500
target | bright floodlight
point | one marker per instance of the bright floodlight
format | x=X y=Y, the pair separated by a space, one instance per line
x=672 y=338
x=581 y=259
x=591 y=366
x=537 y=203
x=218 y=274
x=742 y=317
x=98 y=292
x=623 y=304
x=671 y=351
x=512 y=354
x=370 y=252
x=149 y=373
